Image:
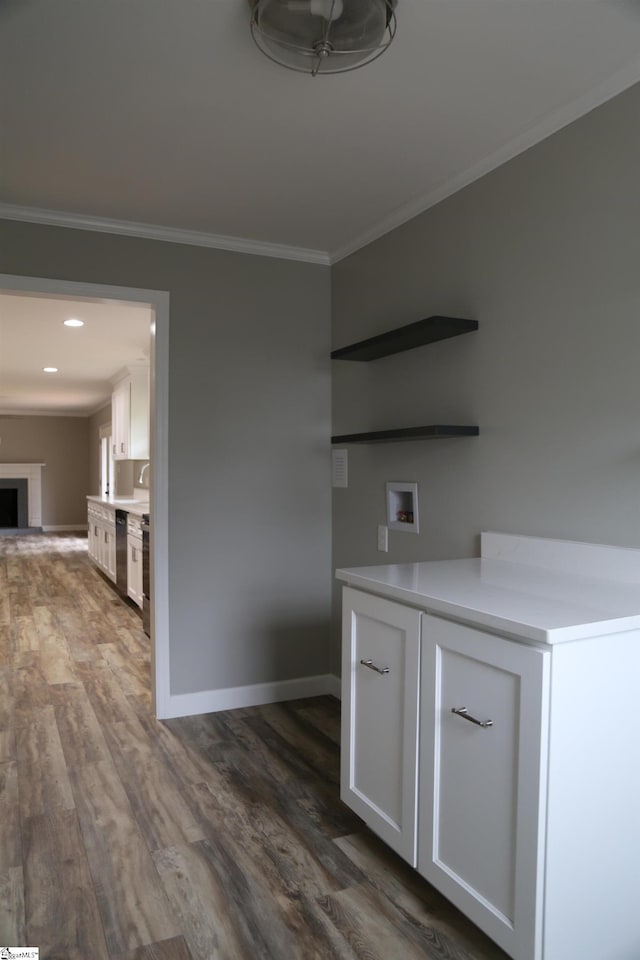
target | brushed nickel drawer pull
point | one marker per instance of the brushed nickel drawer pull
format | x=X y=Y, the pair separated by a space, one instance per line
x=464 y=713
x=372 y=666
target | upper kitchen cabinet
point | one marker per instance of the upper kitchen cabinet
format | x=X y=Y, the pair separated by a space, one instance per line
x=130 y=414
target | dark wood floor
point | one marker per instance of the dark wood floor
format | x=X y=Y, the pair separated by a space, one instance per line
x=218 y=837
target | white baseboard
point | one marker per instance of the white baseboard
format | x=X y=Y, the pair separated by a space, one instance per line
x=254 y=695
x=58 y=528
x=335 y=686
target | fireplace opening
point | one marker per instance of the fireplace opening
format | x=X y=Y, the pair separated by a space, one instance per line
x=14 y=504
x=8 y=508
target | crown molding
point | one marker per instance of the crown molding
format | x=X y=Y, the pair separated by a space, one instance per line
x=614 y=85
x=17 y=413
x=562 y=117
x=148 y=231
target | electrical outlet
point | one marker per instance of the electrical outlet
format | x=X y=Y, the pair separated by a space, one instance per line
x=383 y=537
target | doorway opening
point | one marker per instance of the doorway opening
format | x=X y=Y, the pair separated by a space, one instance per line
x=158 y=302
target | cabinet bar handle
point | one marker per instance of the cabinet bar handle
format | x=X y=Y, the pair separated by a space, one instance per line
x=372 y=666
x=464 y=713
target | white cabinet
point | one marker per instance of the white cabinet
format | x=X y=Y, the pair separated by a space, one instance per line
x=130 y=415
x=102 y=538
x=444 y=756
x=109 y=548
x=91 y=531
x=380 y=716
x=134 y=560
x=120 y=415
x=483 y=737
x=527 y=764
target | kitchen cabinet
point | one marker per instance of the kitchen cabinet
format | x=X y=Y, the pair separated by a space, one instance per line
x=380 y=716
x=91 y=531
x=102 y=538
x=526 y=807
x=130 y=414
x=134 y=560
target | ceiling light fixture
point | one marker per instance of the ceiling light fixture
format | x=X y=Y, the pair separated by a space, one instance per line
x=323 y=36
x=50 y=369
x=72 y=322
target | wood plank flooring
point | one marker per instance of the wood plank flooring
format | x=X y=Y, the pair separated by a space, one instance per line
x=217 y=837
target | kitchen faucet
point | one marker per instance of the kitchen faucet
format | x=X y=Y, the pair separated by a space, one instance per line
x=142 y=472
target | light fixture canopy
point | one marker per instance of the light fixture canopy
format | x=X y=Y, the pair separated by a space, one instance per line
x=323 y=36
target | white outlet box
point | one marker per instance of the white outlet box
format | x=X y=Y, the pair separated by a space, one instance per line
x=383 y=538
x=402 y=506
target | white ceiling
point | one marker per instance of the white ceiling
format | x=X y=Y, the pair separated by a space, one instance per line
x=159 y=118
x=33 y=336
x=166 y=115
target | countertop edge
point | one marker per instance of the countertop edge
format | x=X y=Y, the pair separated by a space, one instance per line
x=515 y=629
x=135 y=507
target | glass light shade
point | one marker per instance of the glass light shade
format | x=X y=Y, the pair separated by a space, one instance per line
x=323 y=36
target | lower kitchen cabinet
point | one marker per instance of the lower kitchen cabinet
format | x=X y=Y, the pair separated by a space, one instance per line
x=457 y=794
x=134 y=560
x=381 y=650
x=483 y=736
x=109 y=550
x=102 y=538
x=503 y=766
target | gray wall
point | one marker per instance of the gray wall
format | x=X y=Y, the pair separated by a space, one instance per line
x=544 y=253
x=249 y=421
x=63 y=444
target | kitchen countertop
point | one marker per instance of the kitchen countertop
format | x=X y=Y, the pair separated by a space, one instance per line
x=131 y=505
x=534 y=603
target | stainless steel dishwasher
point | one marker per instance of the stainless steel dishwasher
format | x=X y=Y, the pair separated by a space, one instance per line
x=121 y=553
x=146 y=579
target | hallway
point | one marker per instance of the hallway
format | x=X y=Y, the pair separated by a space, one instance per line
x=217 y=837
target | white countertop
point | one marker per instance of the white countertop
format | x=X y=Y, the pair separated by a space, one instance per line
x=132 y=505
x=533 y=603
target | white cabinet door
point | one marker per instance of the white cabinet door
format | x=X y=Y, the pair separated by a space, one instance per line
x=91 y=534
x=483 y=743
x=134 y=569
x=98 y=544
x=139 y=404
x=120 y=419
x=109 y=555
x=380 y=676
x=130 y=416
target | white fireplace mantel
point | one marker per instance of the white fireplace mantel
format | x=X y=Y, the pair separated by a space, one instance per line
x=31 y=472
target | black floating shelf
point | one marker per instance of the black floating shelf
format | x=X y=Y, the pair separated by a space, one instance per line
x=405 y=338
x=408 y=433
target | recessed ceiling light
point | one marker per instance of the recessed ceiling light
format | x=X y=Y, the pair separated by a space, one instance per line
x=50 y=369
x=72 y=322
